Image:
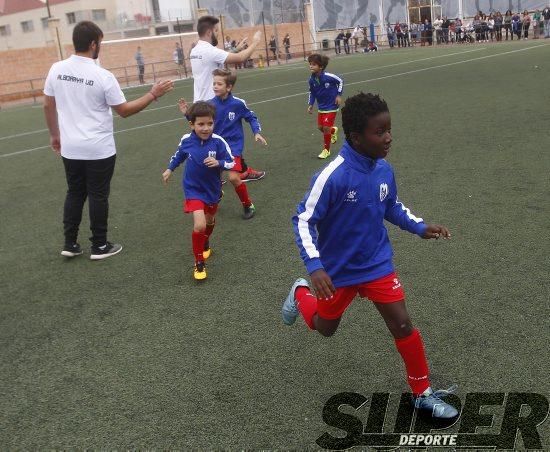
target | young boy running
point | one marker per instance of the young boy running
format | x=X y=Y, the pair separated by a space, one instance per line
x=345 y=247
x=326 y=89
x=207 y=154
x=230 y=112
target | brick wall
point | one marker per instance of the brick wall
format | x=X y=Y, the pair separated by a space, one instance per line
x=19 y=66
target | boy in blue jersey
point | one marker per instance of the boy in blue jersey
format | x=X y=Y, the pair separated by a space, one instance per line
x=207 y=154
x=326 y=89
x=339 y=228
x=230 y=113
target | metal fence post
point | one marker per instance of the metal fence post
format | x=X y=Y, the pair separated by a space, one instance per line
x=126 y=76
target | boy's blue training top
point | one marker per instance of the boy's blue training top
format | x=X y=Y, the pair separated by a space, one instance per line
x=339 y=225
x=199 y=181
x=324 y=90
x=230 y=113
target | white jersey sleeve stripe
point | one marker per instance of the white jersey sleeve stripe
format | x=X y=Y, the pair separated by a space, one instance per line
x=311 y=203
x=407 y=211
x=340 y=81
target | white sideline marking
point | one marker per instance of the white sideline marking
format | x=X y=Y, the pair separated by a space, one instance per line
x=305 y=92
x=279 y=86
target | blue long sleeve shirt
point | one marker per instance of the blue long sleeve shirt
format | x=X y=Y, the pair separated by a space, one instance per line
x=230 y=113
x=339 y=225
x=324 y=89
x=199 y=181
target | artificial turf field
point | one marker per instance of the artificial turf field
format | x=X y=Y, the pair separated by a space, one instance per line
x=131 y=352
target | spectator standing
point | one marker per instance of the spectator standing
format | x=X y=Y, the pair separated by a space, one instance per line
x=445 y=28
x=428 y=30
x=338 y=41
x=406 y=39
x=177 y=56
x=227 y=44
x=78 y=97
x=356 y=35
x=498 y=26
x=437 y=25
x=516 y=25
x=508 y=24
x=491 y=26
x=389 y=33
x=141 y=65
x=546 y=17
x=536 y=22
x=458 y=29
x=399 y=34
x=347 y=38
x=414 y=32
x=286 y=45
x=526 y=23
x=273 y=47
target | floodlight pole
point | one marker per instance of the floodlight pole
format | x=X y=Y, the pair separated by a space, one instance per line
x=56 y=31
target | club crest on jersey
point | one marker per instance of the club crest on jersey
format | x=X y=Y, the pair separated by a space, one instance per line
x=383 y=191
x=327 y=85
x=351 y=196
x=211 y=153
x=231 y=115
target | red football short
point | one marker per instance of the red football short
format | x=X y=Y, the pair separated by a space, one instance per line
x=326 y=119
x=238 y=167
x=190 y=205
x=382 y=290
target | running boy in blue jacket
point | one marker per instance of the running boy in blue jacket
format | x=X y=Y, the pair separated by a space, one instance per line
x=207 y=154
x=326 y=89
x=230 y=113
x=339 y=228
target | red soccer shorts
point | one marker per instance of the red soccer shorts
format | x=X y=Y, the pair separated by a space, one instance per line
x=326 y=119
x=382 y=290
x=190 y=205
x=238 y=167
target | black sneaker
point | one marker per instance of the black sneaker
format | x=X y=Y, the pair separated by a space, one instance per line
x=71 y=250
x=105 y=251
x=249 y=212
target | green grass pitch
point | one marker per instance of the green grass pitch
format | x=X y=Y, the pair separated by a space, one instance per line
x=133 y=353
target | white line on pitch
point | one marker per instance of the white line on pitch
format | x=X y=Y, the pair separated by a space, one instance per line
x=305 y=92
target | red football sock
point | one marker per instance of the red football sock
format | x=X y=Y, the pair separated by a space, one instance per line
x=209 y=229
x=307 y=305
x=326 y=139
x=242 y=193
x=411 y=349
x=198 y=245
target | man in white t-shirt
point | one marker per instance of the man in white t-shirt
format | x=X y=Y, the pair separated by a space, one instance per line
x=206 y=57
x=78 y=98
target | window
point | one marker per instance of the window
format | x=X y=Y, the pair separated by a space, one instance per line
x=44 y=21
x=71 y=18
x=5 y=30
x=27 y=26
x=99 y=14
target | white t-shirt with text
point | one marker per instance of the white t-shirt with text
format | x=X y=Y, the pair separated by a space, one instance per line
x=205 y=58
x=84 y=93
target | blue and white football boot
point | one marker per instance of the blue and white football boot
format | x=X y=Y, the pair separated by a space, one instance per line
x=290 y=307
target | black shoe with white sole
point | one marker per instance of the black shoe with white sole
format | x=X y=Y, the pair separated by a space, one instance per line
x=71 y=250
x=105 y=251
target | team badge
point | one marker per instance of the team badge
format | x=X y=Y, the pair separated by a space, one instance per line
x=383 y=191
x=211 y=153
x=327 y=85
x=231 y=115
